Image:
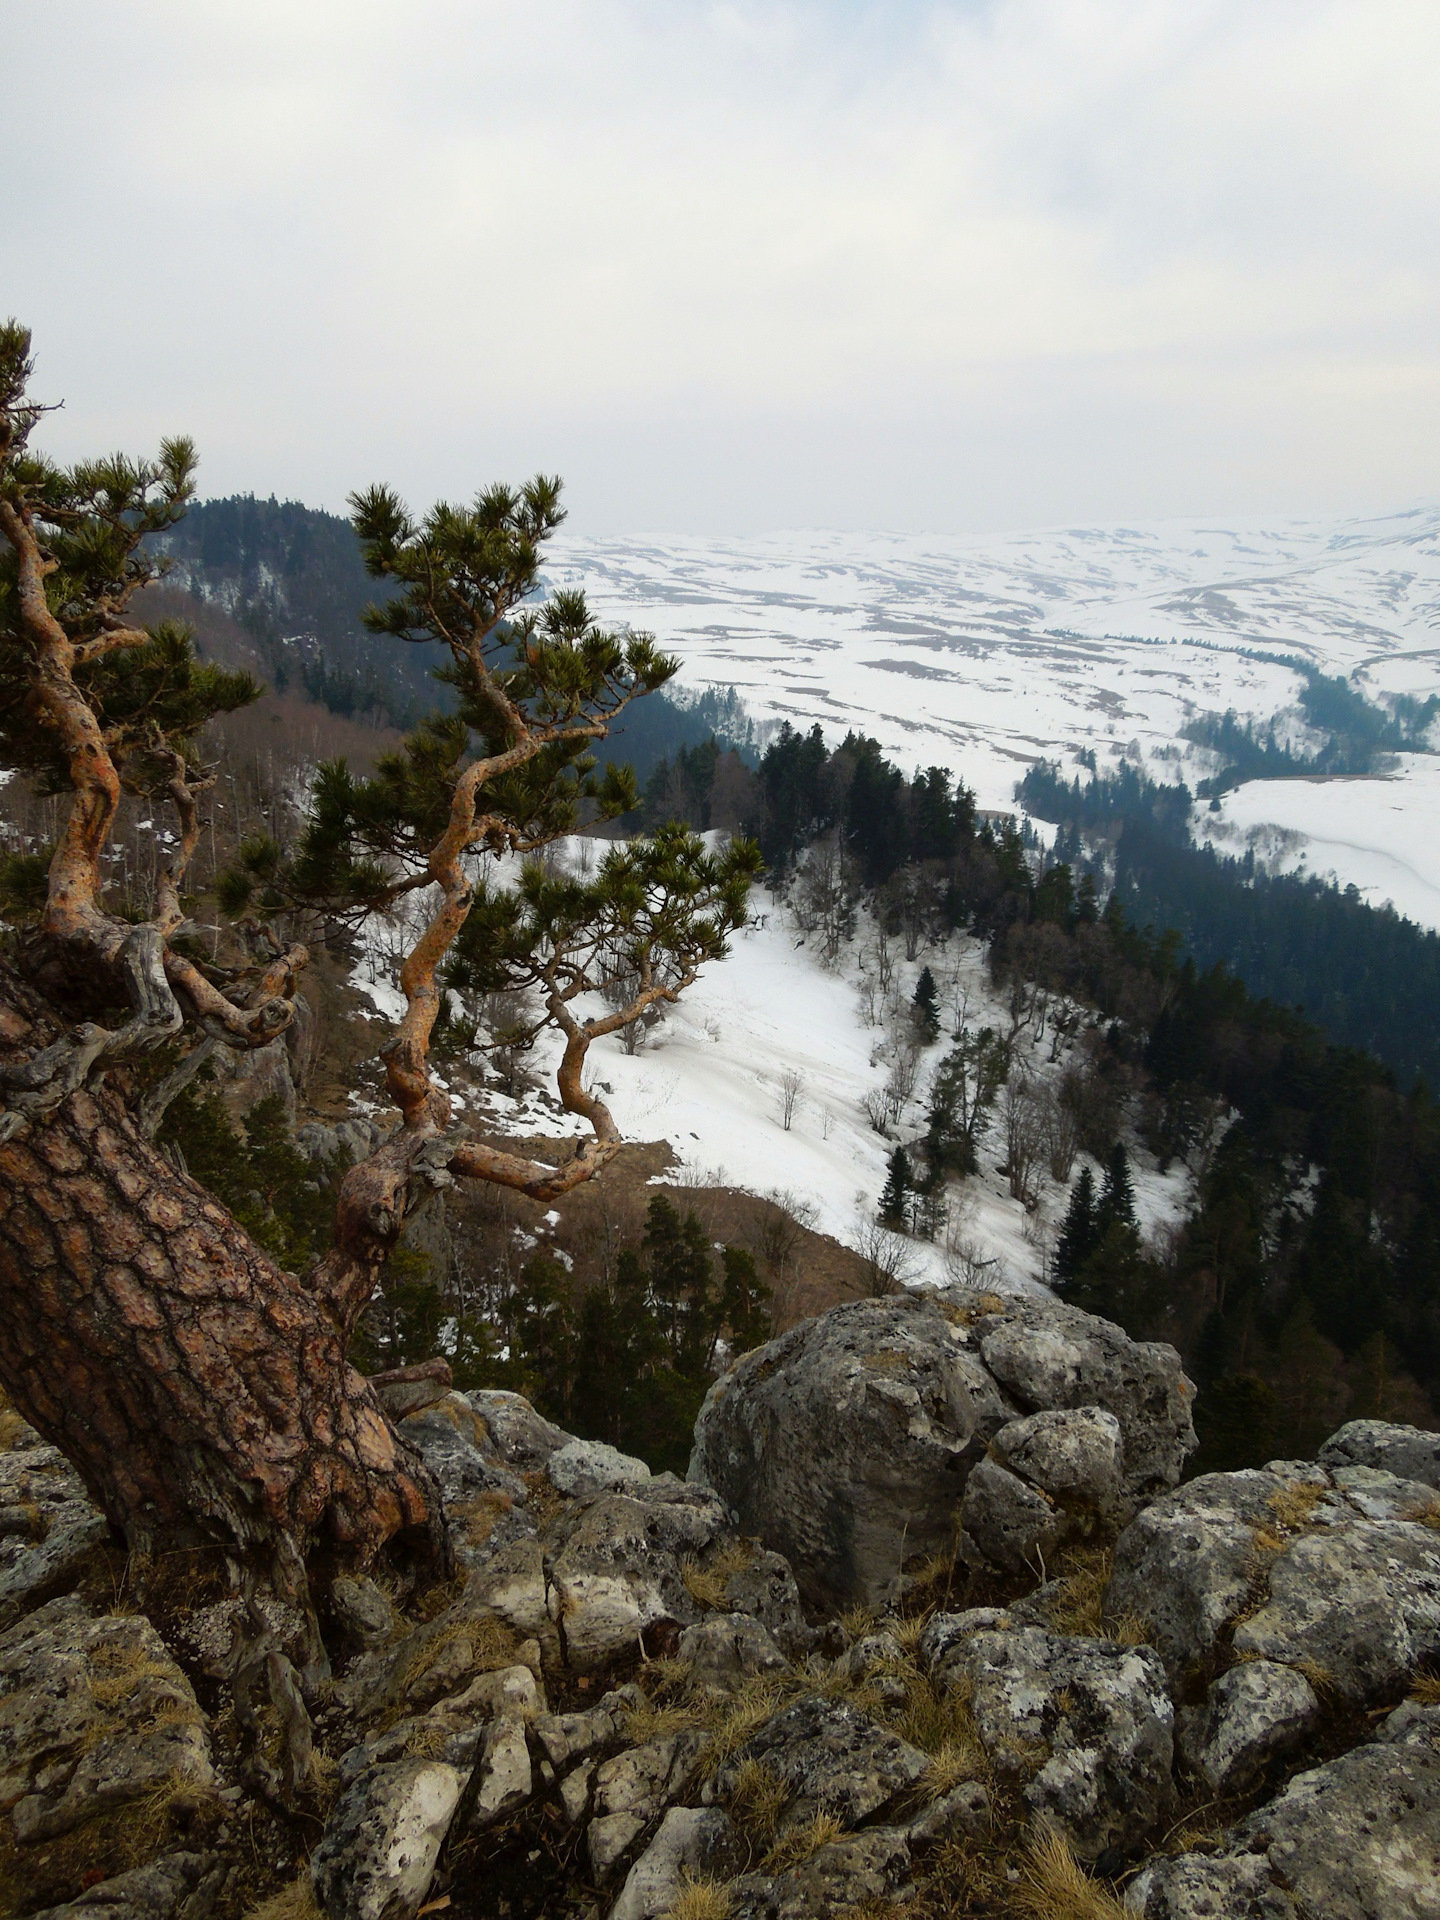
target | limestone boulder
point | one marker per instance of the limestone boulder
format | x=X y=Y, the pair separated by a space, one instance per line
x=615 y=1567
x=632 y=1788
x=1356 y=1839
x=582 y=1468
x=847 y=1443
x=377 y=1855
x=518 y=1436
x=1336 y=1571
x=693 y=1843
x=834 y=1759
x=1253 y=1715
x=171 y=1888
x=1410 y=1453
x=859 y=1872
x=1048 y=1480
x=454 y=1443
x=1084 y=1727
x=94 y=1714
x=49 y=1526
x=726 y=1649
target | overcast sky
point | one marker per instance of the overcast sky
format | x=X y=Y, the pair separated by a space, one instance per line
x=968 y=265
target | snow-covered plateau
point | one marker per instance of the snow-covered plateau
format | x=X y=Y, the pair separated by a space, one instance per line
x=985 y=655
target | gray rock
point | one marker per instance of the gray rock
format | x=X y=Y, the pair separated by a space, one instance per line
x=1195 y=1886
x=726 y=1649
x=834 y=1758
x=631 y=1788
x=582 y=1468
x=49 y=1527
x=94 y=1714
x=362 y=1612
x=1357 y=1839
x=615 y=1566
x=1076 y=1455
x=961 y=1814
x=1253 y=1714
x=698 y=1841
x=453 y=1731
x=568 y=1737
x=377 y=1855
x=1187 y=1563
x=1047 y=1355
x=152 y=1892
x=857 y=1871
x=1086 y=1724
x=846 y=1443
x=1009 y=1523
x=767 y=1590
x=504 y=1777
x=1299 y=1567
x=1362 y=1602
x=943 y=1631
x=449 y=1438
x=1411 y=1453
x=520 y=1438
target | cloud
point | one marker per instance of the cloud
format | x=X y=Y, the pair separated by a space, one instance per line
x=746 y=264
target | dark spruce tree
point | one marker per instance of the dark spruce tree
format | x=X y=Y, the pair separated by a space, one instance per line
x=201 y=1389
x=926 y=1005
x=895 y=1196
x=1077 y=1232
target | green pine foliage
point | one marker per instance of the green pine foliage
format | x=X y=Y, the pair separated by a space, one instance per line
x=926 y=1006
x=99 y=521
x=894 y=1209
x=629 y=1359
x=255 y=1169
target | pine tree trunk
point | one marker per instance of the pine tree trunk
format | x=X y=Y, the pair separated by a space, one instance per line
x=202 y=1393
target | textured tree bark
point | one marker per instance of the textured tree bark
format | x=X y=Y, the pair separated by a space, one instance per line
x=202 y=1393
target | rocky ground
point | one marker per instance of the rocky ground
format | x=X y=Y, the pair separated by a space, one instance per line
x=932 y=1628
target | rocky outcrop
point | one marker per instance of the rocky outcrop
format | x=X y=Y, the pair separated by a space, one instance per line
x=1335 y=1572
x=1085 y=1728
x=376 y=1858
x=94 y=1715
x=49 y=1528
x=621 y=1705
x=848 y=1443
x=1357 y=1839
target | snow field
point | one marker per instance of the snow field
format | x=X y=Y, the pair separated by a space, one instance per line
x=986 y=655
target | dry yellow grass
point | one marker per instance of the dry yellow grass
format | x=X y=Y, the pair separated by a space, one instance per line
x=1294 y=1506
x=295 y=1902
x=744 y=1712
x=1425 y=1689
x=800 y=1843
x=951 y=1766
x=1056 y=1887
x=1425 y=1513
x=700 y=1899
x=659 y=1722
x=757 y=1801
x=706 y=1583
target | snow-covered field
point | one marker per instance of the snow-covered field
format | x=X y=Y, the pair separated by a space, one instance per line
x=1382 y=834
x=985 y=655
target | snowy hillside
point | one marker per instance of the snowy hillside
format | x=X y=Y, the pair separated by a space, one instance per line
x=986 y=655
x=711 y=1078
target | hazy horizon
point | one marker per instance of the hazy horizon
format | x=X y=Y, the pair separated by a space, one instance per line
x=966 y=268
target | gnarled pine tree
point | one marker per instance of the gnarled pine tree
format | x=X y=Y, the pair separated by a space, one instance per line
x=204 y=1393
